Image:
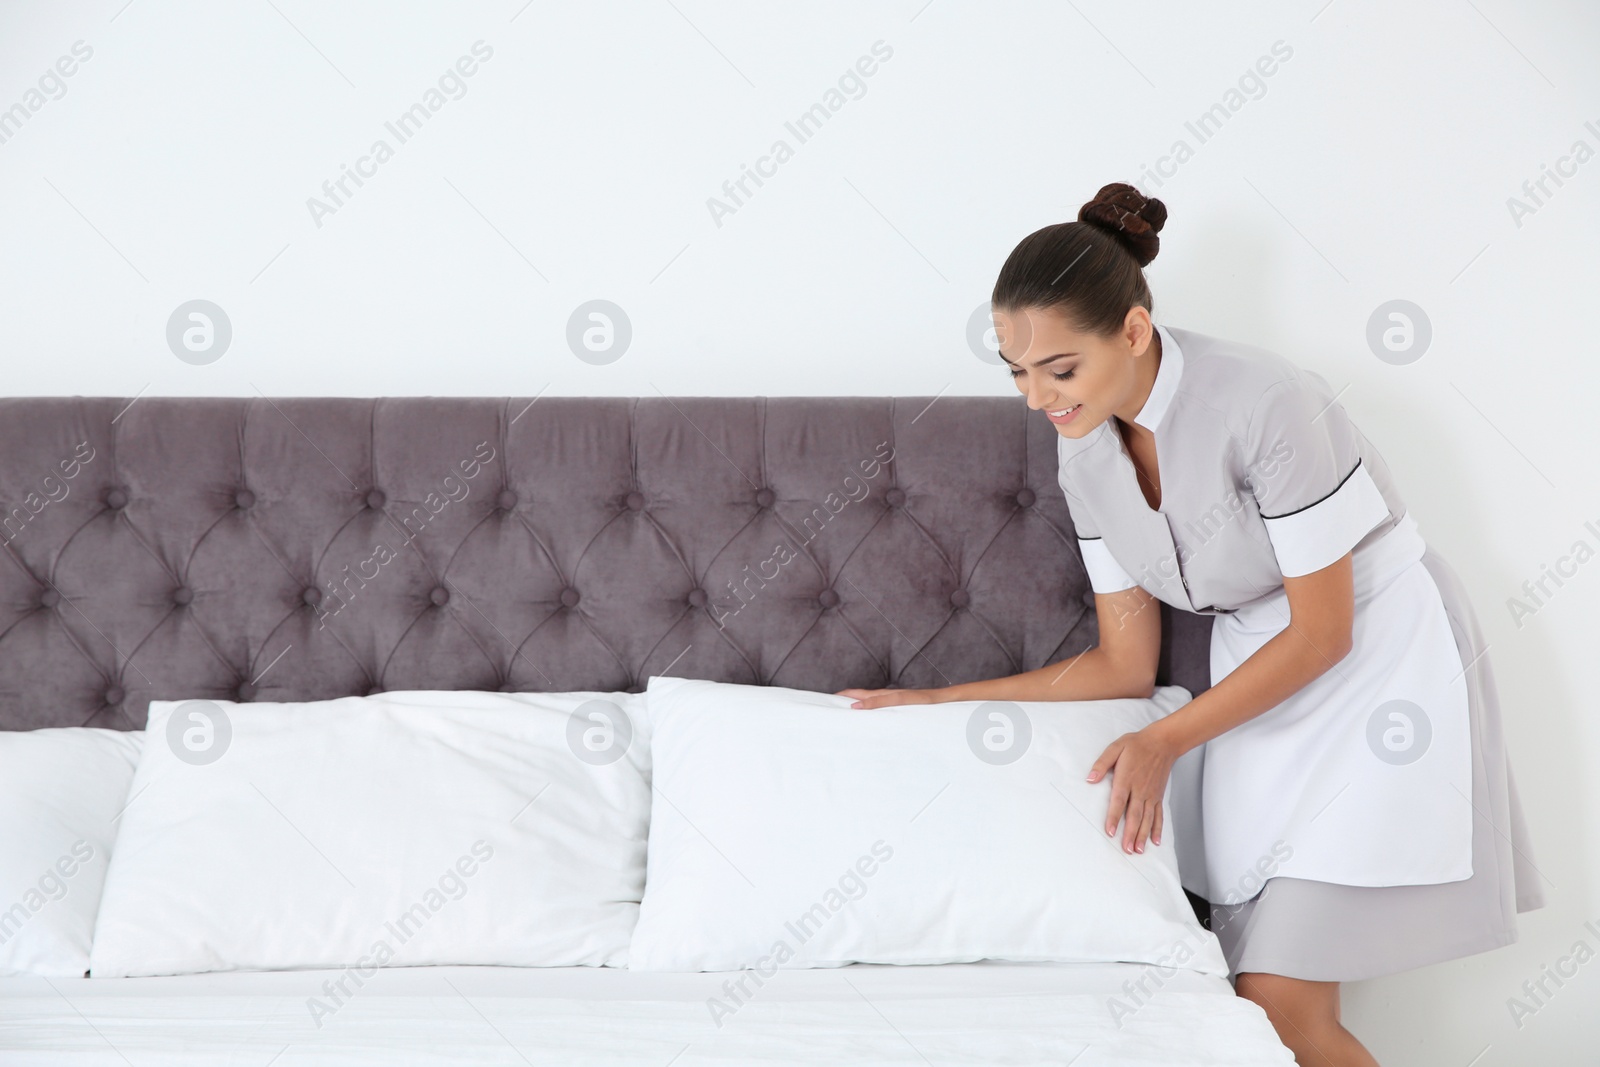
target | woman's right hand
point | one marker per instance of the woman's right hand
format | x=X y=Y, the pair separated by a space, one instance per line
x=885 y=698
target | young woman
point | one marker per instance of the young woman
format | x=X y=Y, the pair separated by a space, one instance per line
x=1349 y=750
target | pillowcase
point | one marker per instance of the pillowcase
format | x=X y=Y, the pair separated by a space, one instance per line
x=60 y=794
x=792 y=831
x=397 y=829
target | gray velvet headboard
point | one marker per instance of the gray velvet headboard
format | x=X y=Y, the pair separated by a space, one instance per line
x=298 y=549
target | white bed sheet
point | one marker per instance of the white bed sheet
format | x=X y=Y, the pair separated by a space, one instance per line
x=1078 y=1013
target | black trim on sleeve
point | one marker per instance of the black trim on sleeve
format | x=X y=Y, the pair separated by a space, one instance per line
x=1314 y=503
x=1083 y=538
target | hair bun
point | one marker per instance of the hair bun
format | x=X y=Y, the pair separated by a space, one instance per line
x=1128 y=215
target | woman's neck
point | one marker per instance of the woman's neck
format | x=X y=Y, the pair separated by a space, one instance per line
x=1146 y=367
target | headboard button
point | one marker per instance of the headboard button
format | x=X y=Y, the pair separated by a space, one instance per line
x=244 y=499
x=49 y=598
x=117 y=499
x=766 y=497
x=569 y=597
x=115 y=695
x=246 y=691
x=376 y=499
x=698 y=598
x=635 y=501
x=440 y=596
x=895 y=497
x=960 y=598
x=828 y=598
x=1026 y=498
x=182 y=595
x=507 y=500
x=312 y=596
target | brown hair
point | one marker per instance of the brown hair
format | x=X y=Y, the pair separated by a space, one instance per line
x=1092 y=269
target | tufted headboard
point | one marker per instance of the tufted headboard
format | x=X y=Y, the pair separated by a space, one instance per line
x=300 y=549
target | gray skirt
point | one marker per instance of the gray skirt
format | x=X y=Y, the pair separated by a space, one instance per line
x=1322 y=932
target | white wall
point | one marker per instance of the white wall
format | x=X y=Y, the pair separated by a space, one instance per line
x=1376 y=164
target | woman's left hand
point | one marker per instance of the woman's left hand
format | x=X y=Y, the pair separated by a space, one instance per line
x=1140 y=764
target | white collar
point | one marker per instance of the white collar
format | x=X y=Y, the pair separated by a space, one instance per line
x=1166 y=383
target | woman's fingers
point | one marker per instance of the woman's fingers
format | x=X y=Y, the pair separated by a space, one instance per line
x=1136 y=791
x=1121 y=800
x=1107 y=760
x=1135 y=820
x=861 y=696
x=885 y=698
x=1146 y=824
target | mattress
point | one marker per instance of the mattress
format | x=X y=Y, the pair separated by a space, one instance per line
x=1131 y=1015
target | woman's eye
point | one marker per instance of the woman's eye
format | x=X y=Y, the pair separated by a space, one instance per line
x=1063 y=376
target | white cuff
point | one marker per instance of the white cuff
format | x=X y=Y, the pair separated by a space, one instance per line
x=1105 y=574
x=1319 y=534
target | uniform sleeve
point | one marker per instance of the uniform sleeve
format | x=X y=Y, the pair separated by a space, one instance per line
x=1303 y=465
x=1105 y=573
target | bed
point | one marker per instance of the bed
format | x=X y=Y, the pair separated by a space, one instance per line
x=224 y=549
x=950 y=1014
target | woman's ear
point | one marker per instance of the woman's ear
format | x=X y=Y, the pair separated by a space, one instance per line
x=1137 y=329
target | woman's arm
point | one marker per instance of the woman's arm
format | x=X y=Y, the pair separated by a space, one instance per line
x=1321 y=614
x=1122 y=664
x=1318 y=636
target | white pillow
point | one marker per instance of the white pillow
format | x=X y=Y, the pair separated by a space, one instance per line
x=393 y=830
x=791 y=831
x=60 y=792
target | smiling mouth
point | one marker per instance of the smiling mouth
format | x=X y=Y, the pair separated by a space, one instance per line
x=1063 y=414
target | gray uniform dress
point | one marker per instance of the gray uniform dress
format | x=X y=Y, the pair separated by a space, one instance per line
x=1369 y=823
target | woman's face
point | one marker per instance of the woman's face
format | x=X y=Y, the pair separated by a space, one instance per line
x=1079 y=380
